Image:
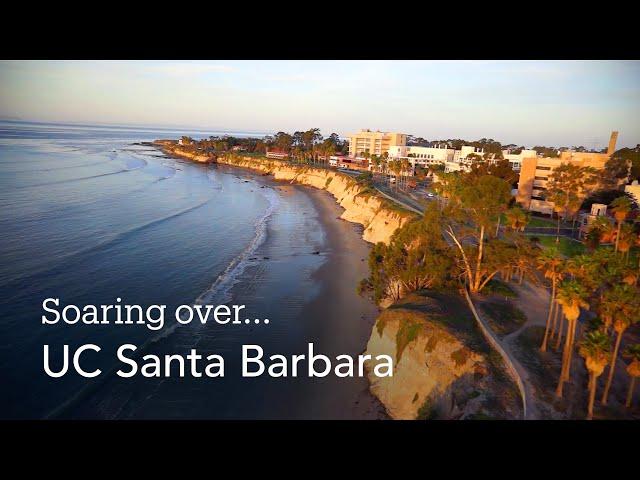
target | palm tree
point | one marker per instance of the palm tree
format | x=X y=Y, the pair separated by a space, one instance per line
x=625 y=239
x=395 y=169
x=594 y=348
x=621 y=208
x=375 y=163
x=517 y=218
x=627 y=313
x=406 y=168
x=603 y=228
x=551 y=264
x=571 y=296
x=633 y=369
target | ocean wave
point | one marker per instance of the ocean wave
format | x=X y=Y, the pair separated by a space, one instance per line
x=218 y=292
x=219 y=289
x=105 y=243
x=70 y=180
x=61 y=168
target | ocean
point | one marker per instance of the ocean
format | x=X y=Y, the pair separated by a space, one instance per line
x=89 y=214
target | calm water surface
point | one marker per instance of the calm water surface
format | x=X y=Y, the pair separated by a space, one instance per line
x=87 y=215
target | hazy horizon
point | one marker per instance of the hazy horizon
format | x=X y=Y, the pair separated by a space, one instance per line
x=551 y=103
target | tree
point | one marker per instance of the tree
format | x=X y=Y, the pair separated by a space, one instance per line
x=417 y=257
x=626 y=314
x=517 y=218
x=594 y=348
x=480 y=202
x=632 y=352
x=551 y=264
x=566 y=185
x=551 y=152
x=571 y=296
x=283 y=141
x=406 y=168
x=630 y=157
x=625 y=239
x=621 y=208
x=606 y=196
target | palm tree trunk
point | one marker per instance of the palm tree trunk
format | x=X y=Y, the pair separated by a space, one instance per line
x=558 y=230
x=571 y=340
x=632 y=385
x=556 y=316
x=560 y=328
x=618 y=235
x=543 y=347
x=612 y=368
x=565 y=360
x=592 y=394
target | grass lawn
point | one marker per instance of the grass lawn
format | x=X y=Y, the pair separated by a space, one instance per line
x=541 y=222
x=496 y=287
x=570 y=248
x=567 y=246
x=544 y=222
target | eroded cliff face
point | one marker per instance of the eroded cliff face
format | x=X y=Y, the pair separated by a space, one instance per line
x=437 y=373
x=184 y=153
x=379 y=216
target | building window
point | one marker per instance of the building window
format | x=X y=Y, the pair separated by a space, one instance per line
x=541 y=178
x=543 y=168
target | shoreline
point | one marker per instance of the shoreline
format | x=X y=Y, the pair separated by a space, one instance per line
x=379 y=216
x=337 y=314
x=341 y=273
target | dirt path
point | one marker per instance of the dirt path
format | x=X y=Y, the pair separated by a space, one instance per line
x=519 y=374
x=534 y=302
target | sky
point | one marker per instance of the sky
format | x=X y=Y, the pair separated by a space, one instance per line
x=552 y=103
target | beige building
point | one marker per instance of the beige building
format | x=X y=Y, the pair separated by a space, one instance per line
x=375 y=143
x=515 y=159
x=535 y=172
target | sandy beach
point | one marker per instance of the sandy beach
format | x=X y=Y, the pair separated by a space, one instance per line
x=303 y=277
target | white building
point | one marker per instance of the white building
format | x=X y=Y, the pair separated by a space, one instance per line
x=515 y=160
x=463 y=158
x=423 y=156
x=634 y=190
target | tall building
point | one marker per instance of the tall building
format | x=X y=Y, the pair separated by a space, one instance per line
x=375 y=143
x=535 y=172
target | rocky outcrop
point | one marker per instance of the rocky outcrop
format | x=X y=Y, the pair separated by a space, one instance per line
x=379 y=216
x=438 y=372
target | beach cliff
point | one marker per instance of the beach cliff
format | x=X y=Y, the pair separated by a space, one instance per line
x=442 y=367
x=379 y=216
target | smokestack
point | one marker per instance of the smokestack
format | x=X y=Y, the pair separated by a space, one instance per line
x=612 y=143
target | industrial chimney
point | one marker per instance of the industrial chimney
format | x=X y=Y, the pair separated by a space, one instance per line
x=612 y=143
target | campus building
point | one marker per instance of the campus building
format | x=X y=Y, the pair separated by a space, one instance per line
x=535 y=172
x=515 y=159
x=463 y=158
x=374 y=143
x=423 y=156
